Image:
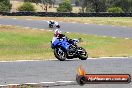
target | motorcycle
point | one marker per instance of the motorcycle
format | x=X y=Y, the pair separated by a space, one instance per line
x=65 y=48
x=53 y=24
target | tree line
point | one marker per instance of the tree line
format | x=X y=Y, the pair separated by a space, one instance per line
x=97 y=6
x=104 y=5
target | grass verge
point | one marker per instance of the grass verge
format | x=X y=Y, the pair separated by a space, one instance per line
x=116 y=21
x=18 y=43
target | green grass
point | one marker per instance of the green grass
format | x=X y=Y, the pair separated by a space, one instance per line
x=17 y=43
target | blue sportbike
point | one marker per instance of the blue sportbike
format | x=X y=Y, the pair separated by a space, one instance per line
x=65 y=48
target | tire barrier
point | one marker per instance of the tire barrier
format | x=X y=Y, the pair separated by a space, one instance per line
x=54 y=14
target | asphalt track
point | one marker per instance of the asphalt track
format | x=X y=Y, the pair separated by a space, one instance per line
x=54 y=70
x=103 y=30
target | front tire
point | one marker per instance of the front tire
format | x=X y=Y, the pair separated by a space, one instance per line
x=83 y=55
x=60 y=54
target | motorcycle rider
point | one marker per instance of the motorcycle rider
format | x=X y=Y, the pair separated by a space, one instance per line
x=57 y=32
x=54 y=23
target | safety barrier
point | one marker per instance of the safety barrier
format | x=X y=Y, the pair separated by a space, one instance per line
x=54 y=14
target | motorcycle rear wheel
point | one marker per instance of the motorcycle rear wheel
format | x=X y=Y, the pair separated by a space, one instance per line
x=60 y=54
x=50 y=26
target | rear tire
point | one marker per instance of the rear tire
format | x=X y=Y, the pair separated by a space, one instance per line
x=60 y=54
x=83 y=55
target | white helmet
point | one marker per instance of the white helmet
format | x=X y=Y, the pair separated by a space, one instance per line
x=52 y=20
x=57 y=32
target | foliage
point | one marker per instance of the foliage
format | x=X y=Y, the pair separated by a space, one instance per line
x=126 y=5
x=5 y=6
x=115 y=10
x=44 y=4
x=103 y=5
x=27 y=6
x=65 y=6
x=77 y=2
x=95 y=5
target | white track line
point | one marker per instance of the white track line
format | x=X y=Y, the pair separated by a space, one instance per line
x=49 y=30
x=45 y=20
x=26 y=27
x=31 y=83
x=34 y=28
x=104 y=36
x=65 y=81
x=9 y=25
x=86 y=23
x=114 y=37
x=26 y=60
x=28 y=19
x=19 y=61
x=47 y=82
x=56 y=59
x=113 y=25
x=41 y=29
x=73 y=22
x=14 y=18
x=100 y=24
x=112 y=57
x=13 y=84
x=17 y=26
x=3 y=85
x=124 y=26
x=126 y=38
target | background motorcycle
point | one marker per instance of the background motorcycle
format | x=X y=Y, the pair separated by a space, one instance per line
x=68 y=49
x=52 y=24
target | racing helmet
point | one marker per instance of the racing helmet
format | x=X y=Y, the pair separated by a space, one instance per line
x=57 y=33
x=51 y=20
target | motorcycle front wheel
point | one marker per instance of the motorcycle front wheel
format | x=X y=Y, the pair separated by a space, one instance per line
x=83 y=55
x=60 y=54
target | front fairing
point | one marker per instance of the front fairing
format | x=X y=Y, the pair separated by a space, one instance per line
x=61 y=42
x=56 y=42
